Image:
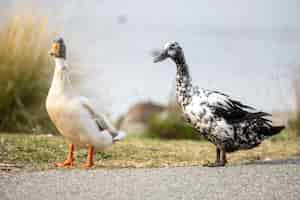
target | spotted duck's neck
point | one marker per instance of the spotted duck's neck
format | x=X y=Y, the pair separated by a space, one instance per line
x=183 y=80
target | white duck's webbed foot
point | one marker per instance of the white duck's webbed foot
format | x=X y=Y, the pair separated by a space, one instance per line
x=69 y=162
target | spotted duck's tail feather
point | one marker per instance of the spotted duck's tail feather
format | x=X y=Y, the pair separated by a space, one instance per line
x=273 y=130
x=260 y=126
x=253 y=131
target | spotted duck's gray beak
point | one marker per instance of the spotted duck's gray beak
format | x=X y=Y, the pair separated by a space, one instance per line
x=161 y=56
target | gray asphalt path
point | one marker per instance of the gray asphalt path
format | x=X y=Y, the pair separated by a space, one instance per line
x=272 y=180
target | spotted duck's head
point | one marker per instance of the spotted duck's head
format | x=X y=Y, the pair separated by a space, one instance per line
x=58 y=49
x=171 y=50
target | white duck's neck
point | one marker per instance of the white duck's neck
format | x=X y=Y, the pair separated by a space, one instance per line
x=61 y=82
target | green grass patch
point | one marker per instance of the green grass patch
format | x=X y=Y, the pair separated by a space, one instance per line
x=170 y=125
x=294 y=123
x=39 y=152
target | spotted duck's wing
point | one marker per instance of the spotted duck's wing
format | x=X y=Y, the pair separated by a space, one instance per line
x=231 y=110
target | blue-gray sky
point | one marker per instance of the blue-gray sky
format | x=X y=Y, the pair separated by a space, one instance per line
x=243 y=48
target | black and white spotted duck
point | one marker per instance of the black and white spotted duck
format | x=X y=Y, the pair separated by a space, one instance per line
x=223 y=121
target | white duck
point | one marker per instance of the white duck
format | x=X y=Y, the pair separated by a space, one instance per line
x=73 y=115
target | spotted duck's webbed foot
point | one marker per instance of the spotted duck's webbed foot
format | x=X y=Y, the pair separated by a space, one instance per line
x=220 y=159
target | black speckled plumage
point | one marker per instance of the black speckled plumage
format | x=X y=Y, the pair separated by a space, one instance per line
x=225 y=122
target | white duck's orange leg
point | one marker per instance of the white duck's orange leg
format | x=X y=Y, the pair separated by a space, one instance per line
x=90 y=158
x=69 y=162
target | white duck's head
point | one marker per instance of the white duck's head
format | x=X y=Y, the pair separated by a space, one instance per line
x=171 y=50
x=58 y=49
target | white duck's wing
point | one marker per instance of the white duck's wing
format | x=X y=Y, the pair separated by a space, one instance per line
x=101 y=121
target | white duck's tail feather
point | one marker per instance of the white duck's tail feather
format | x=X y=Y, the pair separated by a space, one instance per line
x=121 y=135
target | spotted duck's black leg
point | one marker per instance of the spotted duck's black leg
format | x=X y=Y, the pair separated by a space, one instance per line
x=218 y=151
x=223 y=158
x=220 y=159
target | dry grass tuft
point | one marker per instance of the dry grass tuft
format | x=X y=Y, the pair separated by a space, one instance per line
x=24 y=74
